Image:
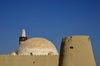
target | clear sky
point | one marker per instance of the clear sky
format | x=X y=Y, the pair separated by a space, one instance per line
x=50 y=19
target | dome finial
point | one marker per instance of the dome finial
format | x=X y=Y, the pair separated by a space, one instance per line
x=23 y=37
x=23 y=33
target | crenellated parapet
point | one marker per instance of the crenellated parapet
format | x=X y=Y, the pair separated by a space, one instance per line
x=27 y=60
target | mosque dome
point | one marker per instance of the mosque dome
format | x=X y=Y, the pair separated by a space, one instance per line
x=37 y=46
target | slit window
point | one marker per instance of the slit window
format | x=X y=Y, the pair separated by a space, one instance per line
x=71 y=47
x=31 y=54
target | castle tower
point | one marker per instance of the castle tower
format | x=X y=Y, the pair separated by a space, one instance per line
x=76 y=51
x=23 y=36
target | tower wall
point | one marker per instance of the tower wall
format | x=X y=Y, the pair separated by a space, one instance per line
x=76 y=51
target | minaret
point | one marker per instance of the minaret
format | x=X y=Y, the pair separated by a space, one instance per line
x=76 y=51
x=23 y=36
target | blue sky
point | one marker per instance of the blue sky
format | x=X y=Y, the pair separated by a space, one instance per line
x=50 y=19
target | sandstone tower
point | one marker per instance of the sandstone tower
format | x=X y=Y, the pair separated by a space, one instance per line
x=76 y=51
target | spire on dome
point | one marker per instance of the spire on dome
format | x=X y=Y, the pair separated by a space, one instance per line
x=23 y=37
x=23 y=33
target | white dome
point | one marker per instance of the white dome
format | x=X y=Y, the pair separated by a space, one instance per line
x=37 y=46
x=13 y=53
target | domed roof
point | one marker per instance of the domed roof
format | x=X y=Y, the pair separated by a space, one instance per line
x=13 y=53
x=37 y=46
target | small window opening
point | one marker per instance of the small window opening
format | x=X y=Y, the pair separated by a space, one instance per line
x=71 y=37
x=71 y=47
x=33 y=62
x=31 y=54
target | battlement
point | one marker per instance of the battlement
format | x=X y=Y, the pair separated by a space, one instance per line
x=29 y=60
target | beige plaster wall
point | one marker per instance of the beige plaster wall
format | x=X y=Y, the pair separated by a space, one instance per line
x=76 y=51
x=17 y=60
